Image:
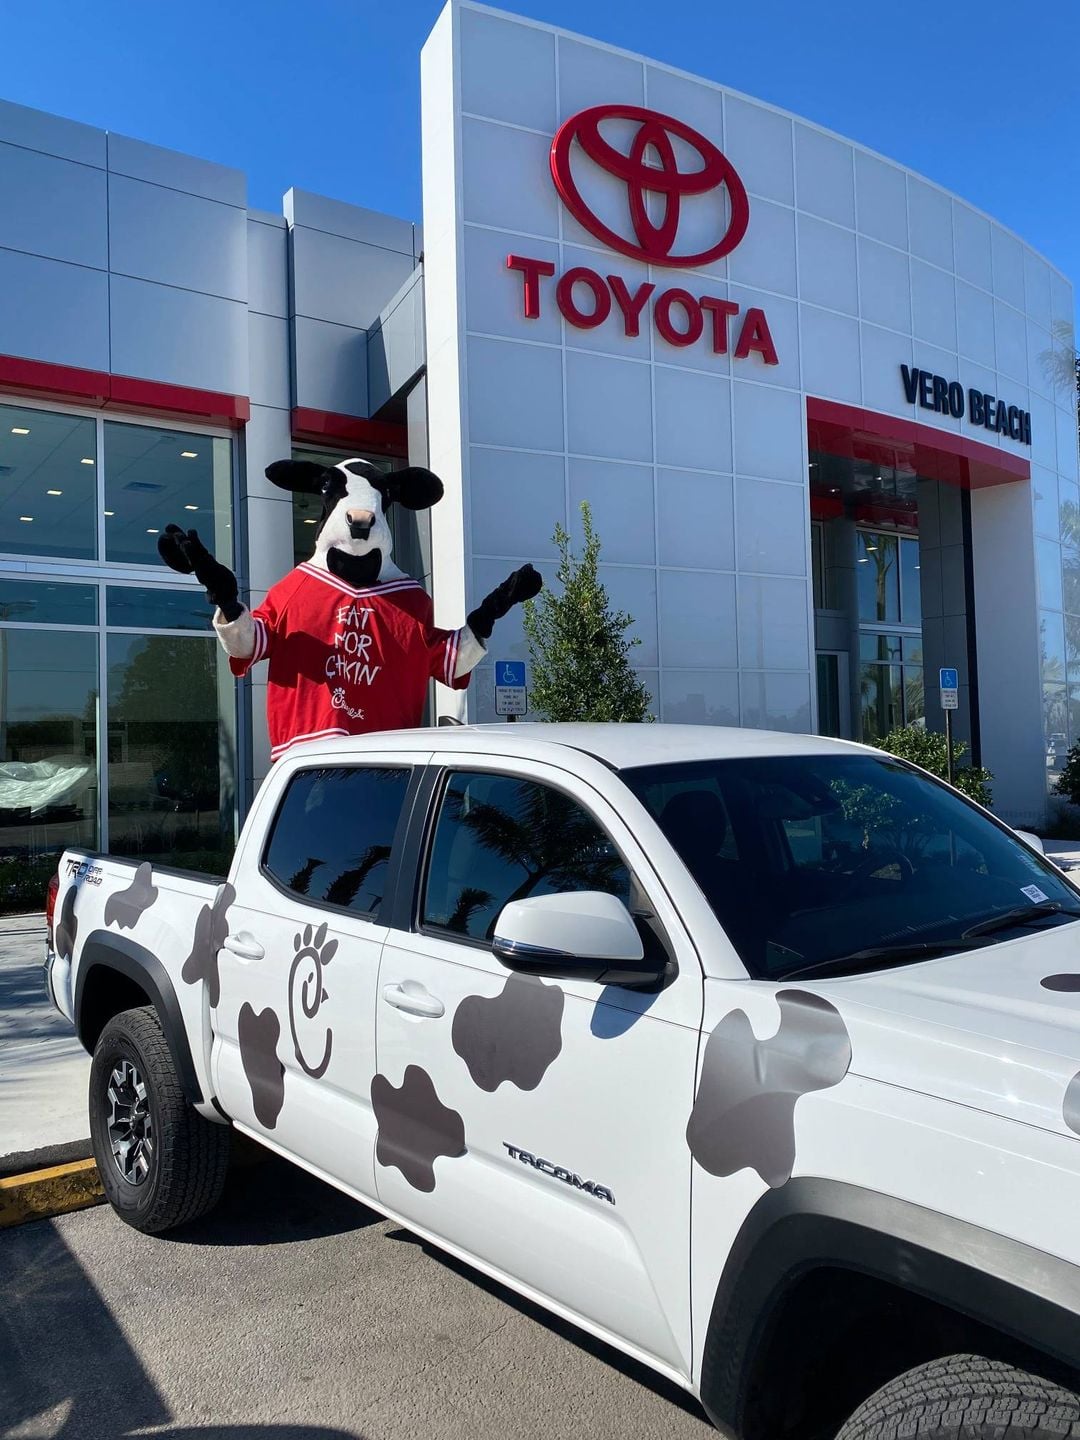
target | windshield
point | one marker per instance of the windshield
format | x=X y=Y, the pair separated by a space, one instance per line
x=840 y=863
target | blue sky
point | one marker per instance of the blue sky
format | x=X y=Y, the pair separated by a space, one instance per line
x=982 y=97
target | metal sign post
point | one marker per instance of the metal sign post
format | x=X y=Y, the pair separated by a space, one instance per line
x=511 y=696
x=949 y=685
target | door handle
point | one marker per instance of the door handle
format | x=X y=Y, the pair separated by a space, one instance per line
x=245 y=946
x=413 y=999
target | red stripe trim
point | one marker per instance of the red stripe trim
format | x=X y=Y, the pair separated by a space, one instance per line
x=851 y=432
x=325 y=427
x=19 y=376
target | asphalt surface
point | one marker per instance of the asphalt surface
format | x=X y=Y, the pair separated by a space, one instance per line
x=293 y=1313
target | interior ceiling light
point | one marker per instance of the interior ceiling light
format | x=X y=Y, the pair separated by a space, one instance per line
x=86 y=460
x=151 y=532
x=19 y=430
x=54 y=492
x=27 y=518
x=189 y=454
x=191 y=507
x=863 y=560
x=872 y=548
x=309 y=522
x=110 y=512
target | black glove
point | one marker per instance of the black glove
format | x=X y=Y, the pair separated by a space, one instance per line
x=523 y=584
x=184 y=552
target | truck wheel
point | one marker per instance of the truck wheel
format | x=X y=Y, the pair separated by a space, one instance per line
x=161 y=1163
x=969 y=1396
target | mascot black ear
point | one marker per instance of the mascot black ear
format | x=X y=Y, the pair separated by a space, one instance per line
x=414 y=487
x=304 y=477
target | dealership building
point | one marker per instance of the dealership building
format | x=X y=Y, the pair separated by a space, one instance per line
x=823 y=413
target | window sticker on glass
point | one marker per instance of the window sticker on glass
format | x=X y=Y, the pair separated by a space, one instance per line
x=1034 y=894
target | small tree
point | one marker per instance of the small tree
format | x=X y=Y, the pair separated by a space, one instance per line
x=928 y=749
x=579 y=651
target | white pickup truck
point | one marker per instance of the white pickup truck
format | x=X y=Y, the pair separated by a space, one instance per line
x=757 y=1056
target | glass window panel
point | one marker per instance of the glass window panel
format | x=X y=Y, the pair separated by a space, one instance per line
x=1044 y=494
x=48 y=484
x=878 y=577
x=881 y=702
x=818 y=563
x=333 y=834
x=171 y=752
x=1074 y=714
x=1072 y=647
x=48 y=756
x=828 y=693
x=1069 y=511
x=1056 y=730
x=911 y=647
x=1048 y=564
x=308 y=508
x=1070 y=574
x=880 y=647
x=155 y=478
x=152 y=607
x=910 y=589
x=500 y=839
x=914 y=695
x=1052 y=646
x=48 y=602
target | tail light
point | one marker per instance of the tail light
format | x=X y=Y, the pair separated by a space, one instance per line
x=50 y=905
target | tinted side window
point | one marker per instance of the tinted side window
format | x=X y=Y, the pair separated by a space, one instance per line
x=499 y=839
x=332 y=835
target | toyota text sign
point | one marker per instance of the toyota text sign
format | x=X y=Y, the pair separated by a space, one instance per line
x=650 y=187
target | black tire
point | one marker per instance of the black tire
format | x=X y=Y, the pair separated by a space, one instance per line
x=180 y=1159
x=964 y=1397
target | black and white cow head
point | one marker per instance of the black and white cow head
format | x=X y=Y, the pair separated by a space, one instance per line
x=352 y=538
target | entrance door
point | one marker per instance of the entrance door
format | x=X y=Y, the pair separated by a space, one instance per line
x=833 y=694
x=539 y=1125
x=294 y=1030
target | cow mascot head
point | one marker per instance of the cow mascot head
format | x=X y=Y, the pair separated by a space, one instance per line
x=351 y=641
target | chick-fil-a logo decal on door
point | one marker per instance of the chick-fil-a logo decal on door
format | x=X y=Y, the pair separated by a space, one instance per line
x=650 y=179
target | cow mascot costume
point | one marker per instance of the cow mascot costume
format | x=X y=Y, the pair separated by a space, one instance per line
x=351 y=640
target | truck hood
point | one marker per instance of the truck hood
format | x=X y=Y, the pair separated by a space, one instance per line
x=982 y=1028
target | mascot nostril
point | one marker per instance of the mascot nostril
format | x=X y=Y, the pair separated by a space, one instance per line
x=350 y=639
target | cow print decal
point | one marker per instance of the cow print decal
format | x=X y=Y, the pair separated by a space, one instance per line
x=126 y=906
x=513 y=1036
x=1063 y=983
x=1070 y=1110
x=744 y=1114
x=306 y=976
x=415 y=1127
x=211 y=928
x=259 y=1035
x=67 y=927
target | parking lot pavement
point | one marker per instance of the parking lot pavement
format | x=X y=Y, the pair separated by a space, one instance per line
x=293 y=1313
x=44 y=1070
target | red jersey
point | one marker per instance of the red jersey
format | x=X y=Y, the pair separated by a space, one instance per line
x=346 y=661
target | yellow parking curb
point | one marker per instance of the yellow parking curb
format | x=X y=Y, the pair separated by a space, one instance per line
x=39 y=1194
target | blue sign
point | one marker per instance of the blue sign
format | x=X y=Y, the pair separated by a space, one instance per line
x=510 y=672
x=947 y=679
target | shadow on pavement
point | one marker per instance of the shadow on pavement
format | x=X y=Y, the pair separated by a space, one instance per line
x=67 y=1371
x=599 y=1349
x=269 y=1201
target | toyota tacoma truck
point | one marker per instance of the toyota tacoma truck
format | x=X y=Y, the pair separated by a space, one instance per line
x=756 y=1056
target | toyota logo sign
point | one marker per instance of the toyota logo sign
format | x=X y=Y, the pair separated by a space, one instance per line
x=643 y=177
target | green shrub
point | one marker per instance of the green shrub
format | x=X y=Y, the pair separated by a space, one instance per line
x=927 y=748
x=1068 y=782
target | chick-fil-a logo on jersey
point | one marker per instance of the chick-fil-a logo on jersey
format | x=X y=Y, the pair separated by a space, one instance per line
x=639 y=151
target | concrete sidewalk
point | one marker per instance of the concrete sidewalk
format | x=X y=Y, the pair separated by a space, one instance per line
x=43 y=1069
x=1065 y=853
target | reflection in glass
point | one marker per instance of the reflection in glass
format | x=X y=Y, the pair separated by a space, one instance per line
x=1055 y=728
x=48 y=602
x=881 y=701
x=1048 y=566
x=828 y=693
x=48 y=755
x=171 y=767
x=332 y=836
x=48 y=484
x=1070 y=572
x=154 y=478
x=1069 y=511
x=910 y=592
x=878 y=577
x=151 y=607
x=1052 y=646
x=499 y=839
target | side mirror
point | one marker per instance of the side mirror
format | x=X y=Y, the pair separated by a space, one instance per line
x=583 y=935
x=1032 y=840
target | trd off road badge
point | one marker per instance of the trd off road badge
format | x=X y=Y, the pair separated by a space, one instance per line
x=601 y=1192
